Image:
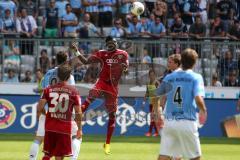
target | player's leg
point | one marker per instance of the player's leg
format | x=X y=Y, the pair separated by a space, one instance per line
x=162 y=157
x=197 y=158
x=154 y=110
x=76 y=146
x=76 y=143
x=111 y=126
x=59 y=158
x=189 y=139
x=48 y=146
x=169 y=142
x=93 y=94
x=111 y=107
x=46 y=157
x=149 y=133
x=38 y=139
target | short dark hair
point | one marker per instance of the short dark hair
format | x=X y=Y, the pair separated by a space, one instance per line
x=43 y=51
x=151 y=71
x=64 y=72
x=176 y=58
x=109 y=38
x=61 y=57
x=39 y=70
x=189 y=58
x=68 y=5
x=215 y=76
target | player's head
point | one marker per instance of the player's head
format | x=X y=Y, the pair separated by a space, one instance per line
x=174 y=62
x=189 y=58
x=64 y=72
x=152 y=74
x=111 y=43
x=61 y=57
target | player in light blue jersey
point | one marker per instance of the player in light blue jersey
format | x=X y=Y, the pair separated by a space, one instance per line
x=180 y=136
x=51 y=78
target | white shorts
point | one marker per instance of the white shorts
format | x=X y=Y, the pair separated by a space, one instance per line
x=41 y=126
x=74 y=128
x=180 y=138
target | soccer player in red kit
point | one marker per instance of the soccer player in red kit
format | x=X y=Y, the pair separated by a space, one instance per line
x=113 y=62
x=61 y=99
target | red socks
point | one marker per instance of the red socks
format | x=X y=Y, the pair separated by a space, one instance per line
x=111 y=127
x=46 y=157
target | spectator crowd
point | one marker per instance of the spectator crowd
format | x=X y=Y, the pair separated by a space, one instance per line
x=86 y=18
x=194 y=19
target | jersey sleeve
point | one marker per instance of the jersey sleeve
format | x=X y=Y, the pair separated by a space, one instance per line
x=164 y=87
x=44 y=94
x=77 y=100
x=198 y=86
x=95 y=57
x=45 y=81
x=127 y=61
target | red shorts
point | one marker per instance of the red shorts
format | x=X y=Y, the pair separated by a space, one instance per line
x=102 y=90
x=57 y=144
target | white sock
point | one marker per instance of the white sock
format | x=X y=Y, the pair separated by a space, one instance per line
x=34 y=150
x=76 y=145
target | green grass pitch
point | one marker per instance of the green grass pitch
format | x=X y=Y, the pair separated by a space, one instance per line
x=16 y=147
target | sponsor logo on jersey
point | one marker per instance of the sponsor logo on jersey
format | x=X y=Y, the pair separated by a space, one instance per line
x=110 y=61
x=120 y=56
x=7 y=113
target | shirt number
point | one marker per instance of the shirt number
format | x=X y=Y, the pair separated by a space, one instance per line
x=178 y=97
x=59 y=101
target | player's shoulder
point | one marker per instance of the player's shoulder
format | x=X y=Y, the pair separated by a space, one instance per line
x=72 y=89
x=101 y=51
x=122 y=51
x=193 y=75
x=50 y=71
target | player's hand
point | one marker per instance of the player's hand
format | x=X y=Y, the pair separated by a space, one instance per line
x=74 y=46
x=79 y=134
x=202 y=117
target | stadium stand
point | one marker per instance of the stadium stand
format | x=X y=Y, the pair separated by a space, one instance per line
x=211 y=47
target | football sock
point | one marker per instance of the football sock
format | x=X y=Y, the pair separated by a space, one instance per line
x=151 y=126
x=110 y=127
x=155 y=127
x=46 y=157
x=76 y=146
x=34 y=150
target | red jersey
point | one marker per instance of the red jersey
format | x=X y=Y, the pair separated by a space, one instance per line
x=61 y=99
x=113 y=64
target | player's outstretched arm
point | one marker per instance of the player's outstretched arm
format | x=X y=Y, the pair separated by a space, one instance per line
x=80 y=55
x=77 y=53
x=202 y=109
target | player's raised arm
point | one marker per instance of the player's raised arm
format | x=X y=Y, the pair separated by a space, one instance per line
x=81 y=57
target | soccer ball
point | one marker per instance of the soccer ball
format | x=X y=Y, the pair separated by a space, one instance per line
x=137 y=8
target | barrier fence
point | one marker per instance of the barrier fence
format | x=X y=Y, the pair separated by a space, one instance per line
x=217 y=57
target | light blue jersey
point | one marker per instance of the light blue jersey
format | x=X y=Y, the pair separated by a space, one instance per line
x=51 y=78
x=185 y=86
